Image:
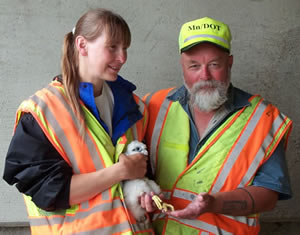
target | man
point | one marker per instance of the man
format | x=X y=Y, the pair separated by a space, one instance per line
x=216 y=151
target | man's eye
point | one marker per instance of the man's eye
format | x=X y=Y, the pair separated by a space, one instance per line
x=214 y=64
x=194 y=66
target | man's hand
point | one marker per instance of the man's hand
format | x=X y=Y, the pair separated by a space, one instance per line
x=201 y=204
x=238 y=202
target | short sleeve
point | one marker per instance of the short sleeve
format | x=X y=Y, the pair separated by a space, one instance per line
x=273 y=174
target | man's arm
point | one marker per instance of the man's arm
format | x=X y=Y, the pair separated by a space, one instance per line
x=239 y=202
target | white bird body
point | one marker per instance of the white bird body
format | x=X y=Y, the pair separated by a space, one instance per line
x=133 y=189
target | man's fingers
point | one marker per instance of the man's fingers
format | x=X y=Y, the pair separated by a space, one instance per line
x=179 y=213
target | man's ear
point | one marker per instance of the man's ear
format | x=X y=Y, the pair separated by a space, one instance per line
x=81 y=45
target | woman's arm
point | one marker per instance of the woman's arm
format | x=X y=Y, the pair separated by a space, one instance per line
x=37 y=169
x=86 y=186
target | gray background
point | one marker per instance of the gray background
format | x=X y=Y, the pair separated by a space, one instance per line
x=266 y=46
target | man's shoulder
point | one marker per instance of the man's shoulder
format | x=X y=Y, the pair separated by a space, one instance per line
x=241 y=93
x=160 y=95
x=238 y=98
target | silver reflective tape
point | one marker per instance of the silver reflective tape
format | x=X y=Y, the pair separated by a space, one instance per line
x=206 y=36
x=89 y=142
x=116 y=229
x=57 y=93
x=158 y=216
x=244 y=219
x=157 y=130
x=134 y=127
x=78 y=215
x=105 y=195
x=134 y=132
x=141 y=106
x=202 y=225
x=145 y=225
x=167 y=195
x=156 y=133
x=58 y=131
x=262 y=151
x=149 y=98
x=184 y=195
x=93 y=152
x=85 y=205
x=238 y=148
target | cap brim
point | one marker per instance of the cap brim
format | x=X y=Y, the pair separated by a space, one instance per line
x=196 y=43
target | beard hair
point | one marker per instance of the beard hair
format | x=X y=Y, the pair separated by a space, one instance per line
x=208 y=100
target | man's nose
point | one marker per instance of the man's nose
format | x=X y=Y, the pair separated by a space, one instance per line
x=205 y=73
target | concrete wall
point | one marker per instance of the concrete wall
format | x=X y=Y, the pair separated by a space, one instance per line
x=266 y=46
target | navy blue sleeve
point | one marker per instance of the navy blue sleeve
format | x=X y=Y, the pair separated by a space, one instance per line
x=273 y=174
x=37 y=169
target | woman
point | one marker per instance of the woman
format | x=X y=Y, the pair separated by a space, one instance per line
x=66 y=152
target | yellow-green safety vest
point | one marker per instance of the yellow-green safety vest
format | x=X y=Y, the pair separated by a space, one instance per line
x=106 y=213
x=228 y=160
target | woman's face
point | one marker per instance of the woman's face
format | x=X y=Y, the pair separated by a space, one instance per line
x=103 y=60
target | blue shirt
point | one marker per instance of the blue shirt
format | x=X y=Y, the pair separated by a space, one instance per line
x=125 y=111
x=273 y=174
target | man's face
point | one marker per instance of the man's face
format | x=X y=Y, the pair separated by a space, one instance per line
x=206 y=71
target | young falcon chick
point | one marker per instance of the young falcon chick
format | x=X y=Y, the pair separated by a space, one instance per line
x=133 y=189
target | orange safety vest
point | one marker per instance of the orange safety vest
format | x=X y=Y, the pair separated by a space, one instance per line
x=228 y=160
x=106 y=213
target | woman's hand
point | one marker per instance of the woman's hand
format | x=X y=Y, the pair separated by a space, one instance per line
x=85 y=186
x=147 y=203
x=133 y=166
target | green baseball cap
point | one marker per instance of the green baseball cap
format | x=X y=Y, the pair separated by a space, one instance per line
x=204 y=30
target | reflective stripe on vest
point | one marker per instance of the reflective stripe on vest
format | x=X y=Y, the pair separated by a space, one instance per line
x=190 y=196
x=105 y=213
x=202 y=225
x=236 y=149
x=89 y=145
x=159 y=119
x=138 y=130
x=262 y=150
x=192 y=226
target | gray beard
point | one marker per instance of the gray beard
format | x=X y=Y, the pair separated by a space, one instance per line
x=208 y=100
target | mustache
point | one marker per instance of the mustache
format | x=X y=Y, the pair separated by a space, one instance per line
x=206 y=84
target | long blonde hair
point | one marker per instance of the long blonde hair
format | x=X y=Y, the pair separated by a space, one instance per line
x=91 y=25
